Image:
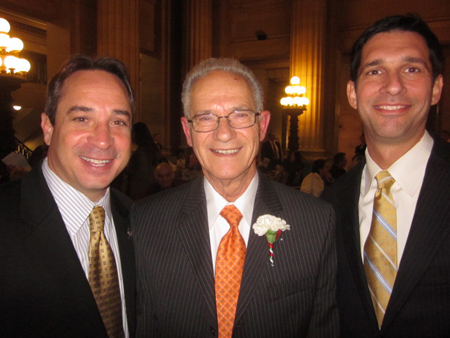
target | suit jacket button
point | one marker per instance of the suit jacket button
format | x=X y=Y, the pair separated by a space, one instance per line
x=213 y=331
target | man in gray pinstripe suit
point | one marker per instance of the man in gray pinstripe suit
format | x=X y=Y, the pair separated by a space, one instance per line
x=177 y=232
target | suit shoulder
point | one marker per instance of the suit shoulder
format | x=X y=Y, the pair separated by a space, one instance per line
x=170 y=198
x=119 y=196
x=286 y=193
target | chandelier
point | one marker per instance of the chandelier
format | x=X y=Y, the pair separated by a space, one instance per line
x=10 y=63
x=296 y=95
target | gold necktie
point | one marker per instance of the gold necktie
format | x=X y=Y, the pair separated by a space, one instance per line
x=229 y=267
x=380 y=250
x=103 y=275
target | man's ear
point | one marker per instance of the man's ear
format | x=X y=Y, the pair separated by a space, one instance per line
x=187 y=130
x=264 y=124
x=47 y=128
x=351 y=94
x=437 y=90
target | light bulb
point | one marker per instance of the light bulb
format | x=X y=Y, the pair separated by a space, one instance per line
x=4 y=40
x=23 y=66
x=11 y=62
x=15 y=44
x=4 y=26
x=295 y=80
x=288 y=90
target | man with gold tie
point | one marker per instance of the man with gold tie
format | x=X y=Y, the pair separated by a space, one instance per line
x=393 y=220
x=232 y=253
x=67 y=261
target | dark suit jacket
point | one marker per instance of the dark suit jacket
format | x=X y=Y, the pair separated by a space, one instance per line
x=175 y=277
x=420 y=302
x=43 y=288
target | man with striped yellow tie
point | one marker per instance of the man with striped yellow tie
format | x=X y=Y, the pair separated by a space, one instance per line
x=393 y=219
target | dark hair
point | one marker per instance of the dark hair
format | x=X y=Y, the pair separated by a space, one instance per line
x=317 y=165
x=84 y=62
x=338 y=158
x=406 y=23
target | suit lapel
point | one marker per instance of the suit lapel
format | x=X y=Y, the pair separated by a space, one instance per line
x=257 y=257
x=351 y=235
x=194 y=235
x=120 y=211
x=429 y=227
x=48 y=242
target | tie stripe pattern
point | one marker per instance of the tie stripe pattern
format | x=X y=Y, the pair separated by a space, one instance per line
x=103 y=275
x=380 y=249
x=229 y=267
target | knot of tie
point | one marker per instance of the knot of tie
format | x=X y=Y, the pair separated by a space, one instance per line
x=97 y=219
x=384 y=180
x=232 y=215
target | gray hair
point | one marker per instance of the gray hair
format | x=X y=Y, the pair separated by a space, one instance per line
x=225 y=64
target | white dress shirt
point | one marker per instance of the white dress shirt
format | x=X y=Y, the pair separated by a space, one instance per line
x=218 y=226
x=75 y=208
x=408 y=172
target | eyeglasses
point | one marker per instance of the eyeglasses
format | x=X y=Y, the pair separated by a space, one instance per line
x=238 y=119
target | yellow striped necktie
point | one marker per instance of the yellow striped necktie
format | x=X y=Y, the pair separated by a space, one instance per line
x=380 y=249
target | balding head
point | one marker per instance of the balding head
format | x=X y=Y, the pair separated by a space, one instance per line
x=164 y=175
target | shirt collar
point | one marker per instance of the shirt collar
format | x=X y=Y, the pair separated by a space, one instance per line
x=215 y=202
x=73 y=205
x=413 y=162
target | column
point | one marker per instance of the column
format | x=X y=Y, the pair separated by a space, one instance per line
x=198 y=37
x=306 y=62
x=118 y=35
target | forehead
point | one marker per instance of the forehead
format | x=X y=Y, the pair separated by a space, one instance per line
x=394 y=45
x=221 y=88
x=95 y=82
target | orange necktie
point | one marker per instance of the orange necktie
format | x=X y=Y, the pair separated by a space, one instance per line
x=103 y=275
x=229 y=268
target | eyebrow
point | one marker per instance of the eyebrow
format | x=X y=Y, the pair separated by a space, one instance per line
x=233 y=109
x=89 y=109
x=406 y=58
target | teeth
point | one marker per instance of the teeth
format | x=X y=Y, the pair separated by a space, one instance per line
x=96 y=163
x=390 y=107
x=226 y=152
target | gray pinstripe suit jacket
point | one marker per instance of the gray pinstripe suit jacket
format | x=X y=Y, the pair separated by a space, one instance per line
x=295 y=298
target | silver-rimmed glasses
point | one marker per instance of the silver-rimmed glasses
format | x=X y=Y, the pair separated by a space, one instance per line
x=238 y=119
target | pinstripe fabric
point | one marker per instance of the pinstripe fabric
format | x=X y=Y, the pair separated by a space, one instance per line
x=175 y=277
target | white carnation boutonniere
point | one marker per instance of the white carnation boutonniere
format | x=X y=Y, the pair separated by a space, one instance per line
x=272 y=227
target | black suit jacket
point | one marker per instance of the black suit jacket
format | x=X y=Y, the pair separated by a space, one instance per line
x=420 y=302
x=175 y=277
x=43 y=288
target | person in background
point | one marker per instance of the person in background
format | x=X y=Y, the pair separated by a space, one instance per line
x=165 y=179
x=393 y=220
x=140 y=170
x=320 y=176
x=271 y=150
x=55 y=221
x=202 y=269
x=338 y=167
x=361 y=147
